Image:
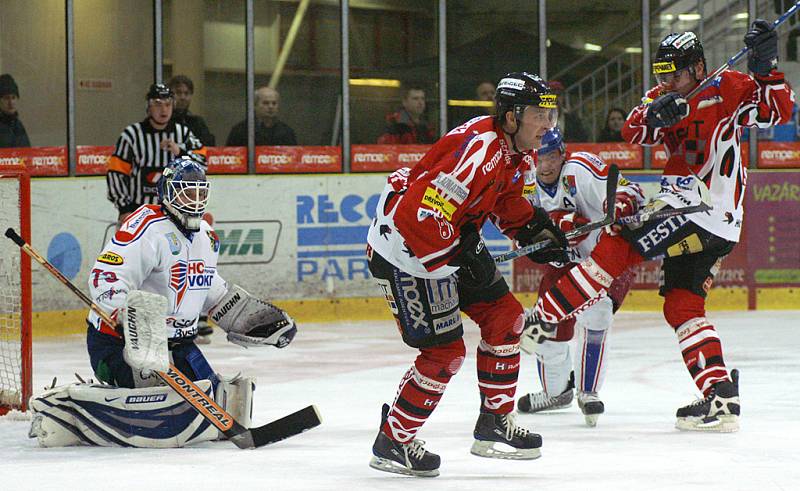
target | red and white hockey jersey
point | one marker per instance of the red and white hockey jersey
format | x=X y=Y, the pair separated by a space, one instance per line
x=469 y=175
x=581 y=187
x=150 y=253
x=707 y=142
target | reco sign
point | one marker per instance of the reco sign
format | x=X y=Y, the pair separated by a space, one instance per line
x=332 y=236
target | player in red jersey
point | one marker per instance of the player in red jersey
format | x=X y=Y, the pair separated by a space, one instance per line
x=702 y=136
x=427 y=255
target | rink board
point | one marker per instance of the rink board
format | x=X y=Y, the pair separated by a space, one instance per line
x=299 y=240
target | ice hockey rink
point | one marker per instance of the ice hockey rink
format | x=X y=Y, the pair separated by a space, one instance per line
x=349 y=369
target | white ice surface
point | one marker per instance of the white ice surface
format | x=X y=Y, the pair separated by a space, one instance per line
x=349 y=369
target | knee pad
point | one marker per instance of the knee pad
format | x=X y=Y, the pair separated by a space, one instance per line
x=500 y=322
x=682 y=305
x=441 y=362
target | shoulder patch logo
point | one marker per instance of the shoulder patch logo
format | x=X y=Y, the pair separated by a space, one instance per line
x=109 y=257
x=214 y=238
x=570 y=185
x=174 y=243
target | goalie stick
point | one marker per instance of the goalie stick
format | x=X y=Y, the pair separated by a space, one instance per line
x=611 y=192
x=290 y=425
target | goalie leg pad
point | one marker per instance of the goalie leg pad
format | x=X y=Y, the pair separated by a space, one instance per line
x=252 y=322
x=101 y=415
x=235 y=395
x=554 y=364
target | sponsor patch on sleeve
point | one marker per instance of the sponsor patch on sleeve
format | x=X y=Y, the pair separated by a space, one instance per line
x=109 y=257
x=434 y=200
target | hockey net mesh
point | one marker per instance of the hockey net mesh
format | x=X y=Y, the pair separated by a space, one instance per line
x=11 y=316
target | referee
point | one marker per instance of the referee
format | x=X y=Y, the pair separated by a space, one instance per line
x=144 y=148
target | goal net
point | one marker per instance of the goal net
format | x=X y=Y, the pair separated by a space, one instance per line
x=15 y=295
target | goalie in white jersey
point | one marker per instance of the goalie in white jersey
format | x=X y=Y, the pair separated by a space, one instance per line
x=572 y=189
x=167 y=250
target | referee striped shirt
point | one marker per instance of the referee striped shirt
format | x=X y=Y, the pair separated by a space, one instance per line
x=135 y=166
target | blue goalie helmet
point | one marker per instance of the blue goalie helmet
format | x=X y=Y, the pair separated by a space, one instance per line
x=552 y=140
x=183 y=192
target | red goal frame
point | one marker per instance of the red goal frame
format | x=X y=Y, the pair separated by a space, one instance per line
x=20 y=172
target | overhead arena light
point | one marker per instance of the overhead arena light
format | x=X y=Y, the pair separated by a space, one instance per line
x=688 y=16
x=469 y=103
x=375 y=82
x=741 y=16
x=592 y=47
x=633 y=49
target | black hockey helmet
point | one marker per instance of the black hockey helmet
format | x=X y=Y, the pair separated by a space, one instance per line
x=159 y=91
x=676 y=52
x=519 y=89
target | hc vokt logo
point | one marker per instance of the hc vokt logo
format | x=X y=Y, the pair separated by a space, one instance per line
x=193 y=275
x=332 y=236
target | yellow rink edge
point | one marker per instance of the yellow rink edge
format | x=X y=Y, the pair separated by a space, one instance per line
x=61 y=323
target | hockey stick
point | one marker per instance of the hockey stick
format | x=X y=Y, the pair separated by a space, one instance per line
x=738 y=56
x=648 y=216
x=290 y=425
x=611 y=192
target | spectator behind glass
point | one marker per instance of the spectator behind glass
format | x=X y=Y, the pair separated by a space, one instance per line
x=570 y=124
x=485 y=92
x=612 y=130
x=183 y=87
x=269 y=129
x=406 y=126
x=12 y=132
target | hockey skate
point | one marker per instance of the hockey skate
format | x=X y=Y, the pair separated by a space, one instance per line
x=537 y=402
x=497 y=436
x=718 y=411
x=591 y=407
x=410 y=458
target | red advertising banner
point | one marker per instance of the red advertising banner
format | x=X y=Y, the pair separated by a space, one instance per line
x=376 y=158
x=286 y=160
x=40 y=161
x=625 y=155
x=659 y=159
x=226 y=160
x=776 y=155
x=92 y=160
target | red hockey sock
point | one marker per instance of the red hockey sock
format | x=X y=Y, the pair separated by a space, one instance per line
x=421 y=389
x=698 y=340
x=587 y=282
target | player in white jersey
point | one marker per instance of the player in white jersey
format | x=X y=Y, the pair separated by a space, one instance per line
x=167 y=250
x=571 y=187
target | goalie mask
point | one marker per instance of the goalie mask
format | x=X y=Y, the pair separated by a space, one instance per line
x=183 y=192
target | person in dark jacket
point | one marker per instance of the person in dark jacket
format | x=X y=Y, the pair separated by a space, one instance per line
x=612 y=132
x=12 y=131
x=407 y=125
x=183 y=87
x=269 y=129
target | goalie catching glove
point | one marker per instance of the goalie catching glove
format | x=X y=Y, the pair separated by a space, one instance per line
x=252 y=322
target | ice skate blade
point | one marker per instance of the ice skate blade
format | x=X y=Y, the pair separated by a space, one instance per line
x=485 y=448
x=387 y=465
x=723 y=424
x=591 y=419
x=544 y=410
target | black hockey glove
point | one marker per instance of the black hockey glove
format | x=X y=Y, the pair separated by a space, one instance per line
x=476 y=265
x=762 y=43
x=542 y=228
x=667 y=110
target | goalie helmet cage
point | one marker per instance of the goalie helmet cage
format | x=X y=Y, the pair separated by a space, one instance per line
x=15 y=291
